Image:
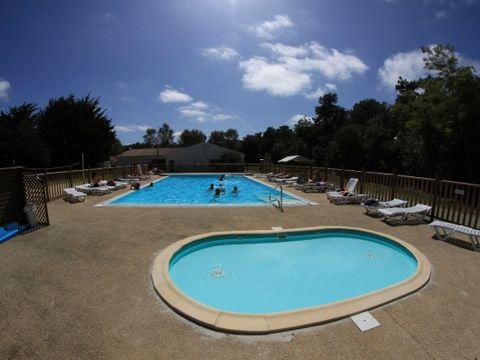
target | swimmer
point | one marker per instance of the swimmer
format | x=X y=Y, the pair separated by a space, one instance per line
x=151 y=184
x=217 y=192
x=211 y=187
x=235 y=190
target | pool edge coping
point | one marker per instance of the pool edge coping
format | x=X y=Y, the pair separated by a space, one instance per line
x=280 y=321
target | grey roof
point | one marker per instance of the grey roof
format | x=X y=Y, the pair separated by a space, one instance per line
x=295 y=158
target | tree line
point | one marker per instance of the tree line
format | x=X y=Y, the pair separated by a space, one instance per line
x=57 y=134
x=432 y=129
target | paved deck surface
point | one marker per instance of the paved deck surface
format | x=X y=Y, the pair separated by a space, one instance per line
x=81 y=289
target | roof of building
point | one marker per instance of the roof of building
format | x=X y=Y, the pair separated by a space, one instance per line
x=148 y=152
x=295 y=158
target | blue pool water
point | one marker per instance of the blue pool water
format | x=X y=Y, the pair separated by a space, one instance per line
x=266 y=273
x=193 y=190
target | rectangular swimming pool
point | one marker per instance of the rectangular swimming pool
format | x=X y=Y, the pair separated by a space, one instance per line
x=195 y=190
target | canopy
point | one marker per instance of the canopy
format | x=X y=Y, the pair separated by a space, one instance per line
x=295 y=158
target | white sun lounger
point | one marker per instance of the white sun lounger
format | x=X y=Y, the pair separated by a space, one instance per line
x=72 y=195
x=419 y=211
x=347 y=198
x=350 y=187
x=445 y=229
x=383 y=205
x=94 y=190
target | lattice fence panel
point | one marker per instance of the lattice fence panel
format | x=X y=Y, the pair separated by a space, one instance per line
x=34 y=191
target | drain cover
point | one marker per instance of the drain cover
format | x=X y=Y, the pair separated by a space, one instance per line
x=217 y=272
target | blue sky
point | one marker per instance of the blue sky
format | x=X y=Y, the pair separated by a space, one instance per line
x=219 y=64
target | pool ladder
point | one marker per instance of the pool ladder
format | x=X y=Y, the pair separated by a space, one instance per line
x=279 y=202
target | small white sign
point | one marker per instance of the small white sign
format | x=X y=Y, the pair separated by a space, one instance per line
x=365 y=321
x=459 y=192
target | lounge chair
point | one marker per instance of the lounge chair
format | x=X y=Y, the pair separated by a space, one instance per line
x=374 y=207
x=94 y=190
x=349 y=188
x=286 y=180
x=445 y=229
x=72 y=195
x=318 y=186
x=419 y=212
x=347 y=198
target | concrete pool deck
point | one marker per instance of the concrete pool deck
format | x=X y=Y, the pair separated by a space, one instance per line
x=81 y=288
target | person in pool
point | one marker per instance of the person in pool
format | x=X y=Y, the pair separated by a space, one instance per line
x=235 y=190
x=217 y=192
x=211 y=187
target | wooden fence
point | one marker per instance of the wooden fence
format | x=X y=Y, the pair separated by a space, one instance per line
x=452 y=201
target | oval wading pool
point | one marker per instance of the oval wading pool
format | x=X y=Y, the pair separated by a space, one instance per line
x=268 y=281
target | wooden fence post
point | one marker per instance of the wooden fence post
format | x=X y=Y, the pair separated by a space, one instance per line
x=70 y=176
x=362 y=180
x=394 y=184
x=436 y=188
x=45 y=180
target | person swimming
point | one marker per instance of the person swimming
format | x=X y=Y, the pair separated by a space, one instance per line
x=211 y=187
x=217 y=192
x=235 y=189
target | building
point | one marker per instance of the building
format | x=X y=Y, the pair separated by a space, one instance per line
x=168 y=157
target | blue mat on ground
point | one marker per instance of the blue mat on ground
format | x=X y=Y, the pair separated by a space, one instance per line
x=9 y=230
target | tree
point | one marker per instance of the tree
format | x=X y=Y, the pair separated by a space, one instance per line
x=191 y=137
x=70 y=127
x=330 y=118
x=20 y=143
x=117 y=147
x=165 y=135
x=150 y=138
x=251 y=147
x=228 y=139
x=440 y=114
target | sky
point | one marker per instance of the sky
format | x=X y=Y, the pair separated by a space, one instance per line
x=220 y=64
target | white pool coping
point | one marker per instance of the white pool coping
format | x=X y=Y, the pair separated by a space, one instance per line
x=279 y=321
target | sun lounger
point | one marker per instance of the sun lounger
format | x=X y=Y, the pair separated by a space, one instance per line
x=94 y=190
x=419 y=212
x=374 y=207
x=286 y=180
x=444 y=230
x=349 y=188
x=319 y=186
x=347 y=198
x=72 y=195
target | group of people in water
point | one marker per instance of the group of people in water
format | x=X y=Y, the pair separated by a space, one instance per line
x=220 y=190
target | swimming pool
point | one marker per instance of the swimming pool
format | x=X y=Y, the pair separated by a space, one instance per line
x=194 y=190
x=266 y=281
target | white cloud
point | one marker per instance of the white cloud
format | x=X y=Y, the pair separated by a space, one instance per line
x=411 y=66
x=267 y=29
x=170 y=95
x=290 y=70
x=275 y=78
x=321 y=91
x=131 y=128
x=4 y=89
x=202 y=112
x=292 y=121
x=219 y=53
x=408 y=65
x=223 y=117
